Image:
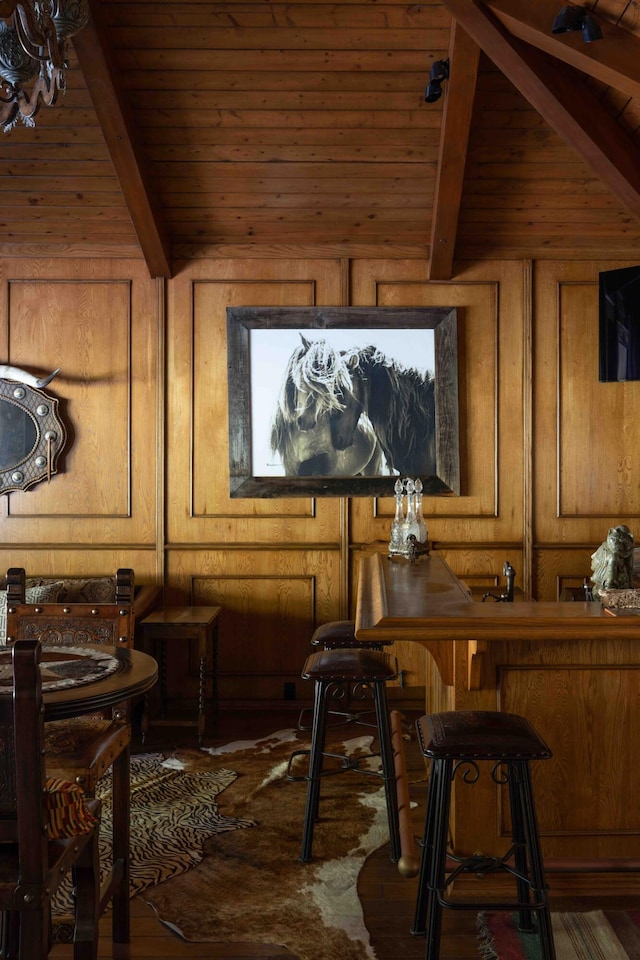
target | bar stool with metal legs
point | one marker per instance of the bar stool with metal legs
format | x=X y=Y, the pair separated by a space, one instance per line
x=331 y=636
x=331 y=671
x=463 y=739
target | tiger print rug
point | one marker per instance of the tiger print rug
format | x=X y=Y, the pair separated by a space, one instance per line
x=250 y=886
x=174 y=811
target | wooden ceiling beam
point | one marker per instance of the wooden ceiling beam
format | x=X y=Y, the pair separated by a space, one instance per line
x=557 y=93
x=97 y=65
x=459 y=92
x=615 y=60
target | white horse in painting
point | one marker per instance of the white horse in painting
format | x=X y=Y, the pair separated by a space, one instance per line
x=304 y=426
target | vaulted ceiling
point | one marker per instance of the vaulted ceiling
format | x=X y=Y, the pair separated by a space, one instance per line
x=236 y=129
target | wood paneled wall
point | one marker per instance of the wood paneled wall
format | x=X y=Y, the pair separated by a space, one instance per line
x=586 y=436
x=549 y=455
x=101 y=323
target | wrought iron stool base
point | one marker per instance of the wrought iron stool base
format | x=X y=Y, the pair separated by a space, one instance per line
x=458 y=739
x=333 y=670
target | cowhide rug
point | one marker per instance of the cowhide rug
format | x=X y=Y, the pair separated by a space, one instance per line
x=251 y=886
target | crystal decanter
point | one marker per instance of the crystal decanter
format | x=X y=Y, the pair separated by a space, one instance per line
x=422 y=526
x=396 y=544
x=410 y=526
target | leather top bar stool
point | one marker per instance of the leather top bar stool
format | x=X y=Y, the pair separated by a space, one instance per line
x=341 y=634
x=508 y=742
x=332 y=671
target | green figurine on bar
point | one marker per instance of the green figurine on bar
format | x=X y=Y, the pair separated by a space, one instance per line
x=612 y=563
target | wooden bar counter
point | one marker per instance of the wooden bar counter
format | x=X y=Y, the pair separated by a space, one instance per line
x=570 y=668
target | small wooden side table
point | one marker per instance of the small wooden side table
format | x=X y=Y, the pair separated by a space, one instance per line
x=188 y=623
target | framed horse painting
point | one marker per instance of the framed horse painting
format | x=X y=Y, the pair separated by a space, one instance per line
x=341 y=401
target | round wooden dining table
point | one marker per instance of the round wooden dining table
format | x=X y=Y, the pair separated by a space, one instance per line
x=85 y=679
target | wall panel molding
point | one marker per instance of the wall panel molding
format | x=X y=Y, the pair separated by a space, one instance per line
x=99 y=322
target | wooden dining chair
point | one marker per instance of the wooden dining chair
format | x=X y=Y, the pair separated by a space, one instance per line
x=46 y=829
x=83 y=748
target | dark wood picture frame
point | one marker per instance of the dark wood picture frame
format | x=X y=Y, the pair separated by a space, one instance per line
x=242 y=320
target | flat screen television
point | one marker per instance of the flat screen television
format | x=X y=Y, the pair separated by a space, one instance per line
x=619 y=318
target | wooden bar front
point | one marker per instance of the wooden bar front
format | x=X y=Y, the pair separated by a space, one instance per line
x=570 y=668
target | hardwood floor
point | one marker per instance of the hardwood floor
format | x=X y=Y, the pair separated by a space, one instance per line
x=387 y=897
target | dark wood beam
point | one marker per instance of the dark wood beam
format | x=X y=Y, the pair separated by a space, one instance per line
x=459 y=92
x=557 y=92
x=97 y=64
x=615 y=60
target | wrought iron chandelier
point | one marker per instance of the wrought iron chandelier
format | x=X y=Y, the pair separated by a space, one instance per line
x=33 y=54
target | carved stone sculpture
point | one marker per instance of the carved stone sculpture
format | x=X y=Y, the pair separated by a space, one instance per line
x=612 y=563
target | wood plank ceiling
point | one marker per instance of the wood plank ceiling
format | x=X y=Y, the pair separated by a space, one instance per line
x=194 y=128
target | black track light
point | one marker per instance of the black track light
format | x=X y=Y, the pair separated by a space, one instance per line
x=573 y=18
x=438 y=73
x=590 y=29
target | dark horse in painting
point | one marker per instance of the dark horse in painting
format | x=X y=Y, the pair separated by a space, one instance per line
x=400 y=404
x=340 y=410
x=314 y=397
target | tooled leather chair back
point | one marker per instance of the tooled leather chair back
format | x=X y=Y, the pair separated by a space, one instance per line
x=71 y=624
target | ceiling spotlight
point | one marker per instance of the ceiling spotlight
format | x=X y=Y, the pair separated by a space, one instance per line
x=438 y=73
x=590 y=29
x=572 y=18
